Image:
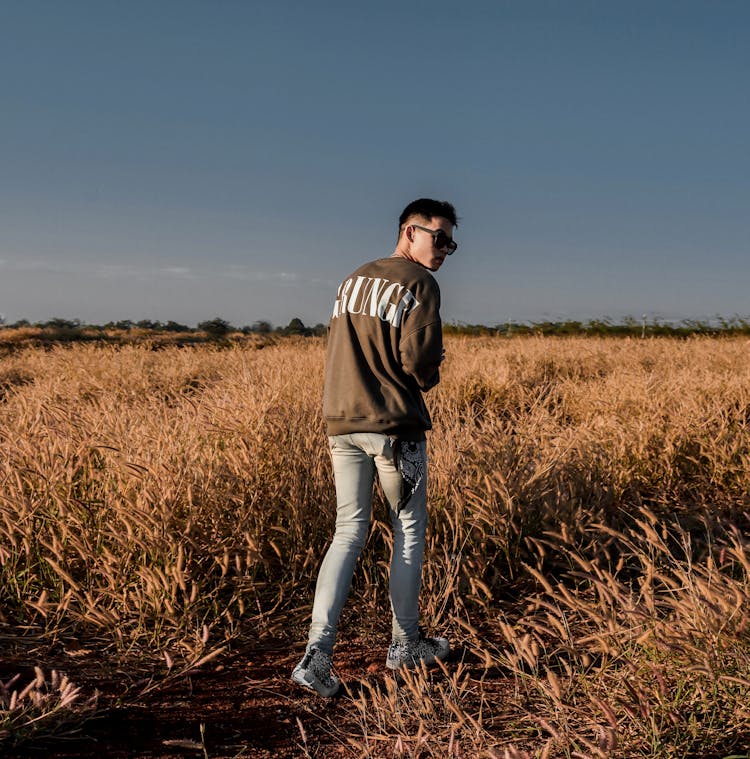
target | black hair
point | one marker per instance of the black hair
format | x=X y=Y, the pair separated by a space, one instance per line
x=429 y=209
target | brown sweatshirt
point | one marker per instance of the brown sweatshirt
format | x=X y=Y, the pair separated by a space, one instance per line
x=385 y=345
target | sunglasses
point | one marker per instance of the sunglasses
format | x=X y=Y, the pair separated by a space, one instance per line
x=440 y=240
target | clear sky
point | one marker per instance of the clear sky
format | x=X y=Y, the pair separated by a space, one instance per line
x=173 y=159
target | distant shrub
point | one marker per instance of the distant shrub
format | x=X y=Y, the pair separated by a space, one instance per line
x=215 y=327
x=296 y=327
x=171 y=326
x=262 y=327
x=124 y=324
x=58 y=323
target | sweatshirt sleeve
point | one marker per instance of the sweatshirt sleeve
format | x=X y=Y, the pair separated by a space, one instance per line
x=421 y=354
x=421 y=343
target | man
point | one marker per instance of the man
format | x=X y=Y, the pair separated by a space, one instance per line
x=385 y=347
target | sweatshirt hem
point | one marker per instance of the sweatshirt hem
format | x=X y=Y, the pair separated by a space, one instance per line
x=408 y=432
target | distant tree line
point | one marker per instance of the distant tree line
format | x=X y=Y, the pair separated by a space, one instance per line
x=218 y=328
x=629 y=326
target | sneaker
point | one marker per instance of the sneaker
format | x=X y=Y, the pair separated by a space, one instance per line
x=314 y=672
x=412 y=654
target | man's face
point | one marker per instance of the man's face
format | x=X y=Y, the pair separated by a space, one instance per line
x=422 y=249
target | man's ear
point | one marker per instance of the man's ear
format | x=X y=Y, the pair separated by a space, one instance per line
x=409 y=232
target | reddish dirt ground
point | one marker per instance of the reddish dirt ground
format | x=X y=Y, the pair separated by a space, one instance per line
x=246 y=703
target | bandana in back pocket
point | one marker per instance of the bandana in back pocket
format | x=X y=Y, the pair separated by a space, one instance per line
x=411 y=466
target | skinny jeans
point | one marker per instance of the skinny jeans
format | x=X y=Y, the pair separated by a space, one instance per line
x=356 y=458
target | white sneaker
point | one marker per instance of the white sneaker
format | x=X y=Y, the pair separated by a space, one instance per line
x=314 y=672
x=412 y=654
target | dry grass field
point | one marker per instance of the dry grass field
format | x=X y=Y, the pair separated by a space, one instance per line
x=162 y=510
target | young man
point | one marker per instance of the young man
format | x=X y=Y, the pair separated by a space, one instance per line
x=385 y=346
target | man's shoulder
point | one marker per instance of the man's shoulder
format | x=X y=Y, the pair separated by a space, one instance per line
x=395 y=268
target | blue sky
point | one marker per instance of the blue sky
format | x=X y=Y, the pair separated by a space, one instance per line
x=169 y=159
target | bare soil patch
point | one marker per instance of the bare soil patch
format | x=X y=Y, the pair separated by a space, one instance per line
x=242 y=705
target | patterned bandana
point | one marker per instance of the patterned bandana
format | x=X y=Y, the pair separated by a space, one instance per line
x=411 y=467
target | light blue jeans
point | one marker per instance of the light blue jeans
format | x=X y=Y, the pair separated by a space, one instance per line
x=356 y=458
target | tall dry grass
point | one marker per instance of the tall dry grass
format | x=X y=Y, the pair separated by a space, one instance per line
x=588 y=541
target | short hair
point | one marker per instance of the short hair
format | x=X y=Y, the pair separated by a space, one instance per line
x=429 y=209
